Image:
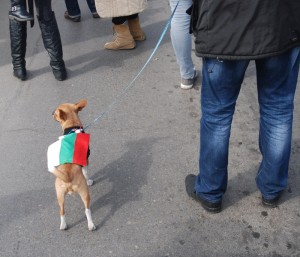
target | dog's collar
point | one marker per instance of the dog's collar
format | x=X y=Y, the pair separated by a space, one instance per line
x=72 y=130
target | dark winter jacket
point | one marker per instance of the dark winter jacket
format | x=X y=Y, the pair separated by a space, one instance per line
x=245 y=29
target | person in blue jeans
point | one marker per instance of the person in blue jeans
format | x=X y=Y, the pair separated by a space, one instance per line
x=182 y=42
x=227 y=41
x=73 y=11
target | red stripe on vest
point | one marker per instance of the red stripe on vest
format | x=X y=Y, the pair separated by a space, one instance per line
x=81 y=148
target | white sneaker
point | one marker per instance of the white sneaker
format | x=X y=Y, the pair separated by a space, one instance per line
x=189 y=83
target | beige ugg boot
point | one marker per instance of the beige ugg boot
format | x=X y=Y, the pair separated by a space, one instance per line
x=123 y=39
x=136 y=30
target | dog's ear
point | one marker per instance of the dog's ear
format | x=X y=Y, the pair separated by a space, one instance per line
x=59 y=115
x=81 y=104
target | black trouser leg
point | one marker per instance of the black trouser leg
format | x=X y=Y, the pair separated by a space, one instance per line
x=91 y=5
x=18 y=37
x=120 y=20
x=18 y=11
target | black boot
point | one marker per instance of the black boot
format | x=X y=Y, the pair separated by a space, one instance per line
x=18 y=11
x=18 y=36
x=52 y=43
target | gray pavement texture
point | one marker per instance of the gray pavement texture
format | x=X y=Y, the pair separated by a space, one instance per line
x=140 y=154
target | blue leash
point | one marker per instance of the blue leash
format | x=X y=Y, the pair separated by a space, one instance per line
x=123 y=92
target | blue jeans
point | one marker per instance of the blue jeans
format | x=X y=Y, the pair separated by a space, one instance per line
x=74 y=10
x=181 y=38
x=276 y=84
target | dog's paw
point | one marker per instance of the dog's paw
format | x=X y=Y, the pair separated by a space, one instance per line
x=63 y=226
x=63 y=223
x=90 y=182
x=92 y=227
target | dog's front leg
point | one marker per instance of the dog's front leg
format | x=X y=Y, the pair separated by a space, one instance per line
x=85 y=174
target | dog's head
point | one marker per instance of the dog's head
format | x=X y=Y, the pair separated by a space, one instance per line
x=67 y=114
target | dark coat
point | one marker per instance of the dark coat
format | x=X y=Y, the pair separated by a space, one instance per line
x=245 y=29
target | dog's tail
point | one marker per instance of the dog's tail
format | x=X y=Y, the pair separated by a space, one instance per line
x=62 y=175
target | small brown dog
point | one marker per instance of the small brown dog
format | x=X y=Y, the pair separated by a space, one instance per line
x=71 y=177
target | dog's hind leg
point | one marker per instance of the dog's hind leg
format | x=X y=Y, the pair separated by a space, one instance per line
x=91 y=225
x=85 y=174
x=85 y=196
x=63 y=223
x=61 y=202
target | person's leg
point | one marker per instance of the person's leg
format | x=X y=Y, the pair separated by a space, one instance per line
x=73 y=8
x=182 y=40
x=123 y=39
x=18 y=37
x=51 y=38
x=135 y=27
x=119 y=20
x=92 y=7
x=73 y=11
x=220 y=88
x=132 y=16
x=276 y=83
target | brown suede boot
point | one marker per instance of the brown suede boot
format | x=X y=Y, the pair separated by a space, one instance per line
x=123 y=39
x=136 y=30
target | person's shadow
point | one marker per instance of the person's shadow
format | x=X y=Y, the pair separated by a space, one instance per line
x=127 y=175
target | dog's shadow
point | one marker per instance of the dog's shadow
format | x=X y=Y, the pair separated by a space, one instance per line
x=125 y=177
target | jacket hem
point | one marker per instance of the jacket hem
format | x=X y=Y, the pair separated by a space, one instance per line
x=245 y=57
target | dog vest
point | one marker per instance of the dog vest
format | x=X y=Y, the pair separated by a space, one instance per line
x=70 y=148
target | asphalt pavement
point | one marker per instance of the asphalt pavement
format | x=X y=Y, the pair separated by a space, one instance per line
x=141 y=152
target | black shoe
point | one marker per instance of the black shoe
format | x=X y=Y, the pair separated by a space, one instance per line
x=190 y=190
x=60 y=75
x=72 y=18
x=20 y=74
x=271 y=203
x=95 y=15
x=19 y=13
